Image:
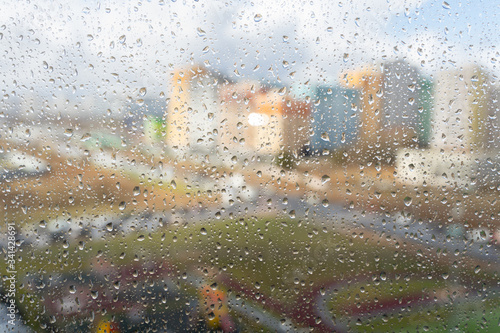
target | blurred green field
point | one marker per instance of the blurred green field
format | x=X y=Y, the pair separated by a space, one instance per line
x=369 y=282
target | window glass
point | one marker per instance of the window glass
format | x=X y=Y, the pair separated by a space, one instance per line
x=293 y=166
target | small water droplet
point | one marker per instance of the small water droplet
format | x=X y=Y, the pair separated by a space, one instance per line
x=446 y=5
x=142 y=92
x=257 y=18
x=136 y=191
x=94 y=294
x=85 y=137
x=203 y=231
x=122 y=205
x=72 y=289
x=407 y=201
x=173 y=184
x=141 y=238
x=325 y=179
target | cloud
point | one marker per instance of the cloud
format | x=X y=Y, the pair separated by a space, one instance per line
x=110 y=48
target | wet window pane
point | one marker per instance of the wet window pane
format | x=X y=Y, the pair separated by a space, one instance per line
x=177 y=166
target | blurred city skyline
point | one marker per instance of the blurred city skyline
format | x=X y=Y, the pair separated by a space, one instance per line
x=112 y=51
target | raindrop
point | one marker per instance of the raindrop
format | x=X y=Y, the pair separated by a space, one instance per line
x=446 y=5
x=109 y=226
x=72 y=289
x=173 y=184
x=85 y=137
x=141 y=238
x=136 y=191
x=203 y=231
x=142 y=92
x=407 y=201
x=257 y=18
x=68 y=132
x=94 y=294
x=42 y=224
x=122 y=205
x=325 y=137
x=325 y=179
x=201 y=32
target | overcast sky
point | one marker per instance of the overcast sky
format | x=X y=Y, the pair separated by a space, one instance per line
x=107 y=49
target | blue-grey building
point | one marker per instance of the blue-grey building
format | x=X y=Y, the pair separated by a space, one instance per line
x=334 y=118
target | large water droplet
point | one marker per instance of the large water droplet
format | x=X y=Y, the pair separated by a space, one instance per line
x=72 y=289
x=136 y=191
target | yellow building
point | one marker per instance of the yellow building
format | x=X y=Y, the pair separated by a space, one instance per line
x=192 y=111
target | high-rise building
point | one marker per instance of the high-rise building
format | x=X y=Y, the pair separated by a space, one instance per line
x=461 y=98
x=193 y=111
x=335 y=118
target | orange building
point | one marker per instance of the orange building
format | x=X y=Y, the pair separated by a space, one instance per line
x=369 y=82
x=192 y=111
x=278 y=123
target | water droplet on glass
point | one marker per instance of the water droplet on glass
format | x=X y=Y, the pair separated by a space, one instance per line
x=325 y=179
x=203 y=231
x=257 y=18
x=122 y=205
x=142 y=92
x=136 y=191
x=72 y=289
x=446 y=5
x=407 y=201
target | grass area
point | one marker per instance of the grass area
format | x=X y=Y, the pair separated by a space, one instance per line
x=276 y=263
